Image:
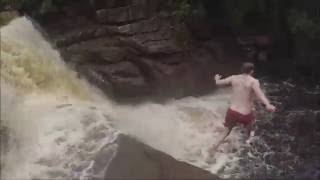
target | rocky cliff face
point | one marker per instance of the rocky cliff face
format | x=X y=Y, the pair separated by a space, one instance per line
x=130 y=49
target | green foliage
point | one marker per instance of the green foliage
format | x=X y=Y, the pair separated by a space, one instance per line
x=260 y=10
x=238 y=9
x=182 y=9
x=47 y=6
x=301 y=23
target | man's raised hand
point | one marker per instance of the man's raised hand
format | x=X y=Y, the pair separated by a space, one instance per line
x=217 y=77
x=270 y=108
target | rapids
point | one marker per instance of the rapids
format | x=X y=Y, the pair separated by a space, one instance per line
x=50 y=115
x=53 y=123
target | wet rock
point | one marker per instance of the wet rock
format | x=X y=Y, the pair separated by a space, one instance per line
x=7 y=16
x=126 y=158
x=104 y=158
x=128 y=31
x=100 y=55
x=110 y=3
x=123 y=78
x=76 y=36
x=121 y=15
x=135 y=160
x=143 y=26
x=153 y=47
x=199 y=28
x=257 y=46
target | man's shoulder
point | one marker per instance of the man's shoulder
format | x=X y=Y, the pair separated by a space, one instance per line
x=236 y=76
x=253 y=79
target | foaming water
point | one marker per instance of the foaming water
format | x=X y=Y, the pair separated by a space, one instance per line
x=31 y=65
x=50 y=138
x=49 y=113
x=57 y=123
x=184 y=128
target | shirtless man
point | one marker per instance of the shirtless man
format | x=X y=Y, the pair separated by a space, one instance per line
x=244 y=89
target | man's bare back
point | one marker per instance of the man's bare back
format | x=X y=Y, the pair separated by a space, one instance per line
x=242 y=93
x=244 y=89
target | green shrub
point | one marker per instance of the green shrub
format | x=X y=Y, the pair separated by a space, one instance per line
x=182 y=10
x=301 y=23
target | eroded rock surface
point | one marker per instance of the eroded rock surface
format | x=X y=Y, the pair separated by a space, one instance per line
x=129 y=50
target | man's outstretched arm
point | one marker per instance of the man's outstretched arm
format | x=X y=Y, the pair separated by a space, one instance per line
x=220 y=81
x=261 y=96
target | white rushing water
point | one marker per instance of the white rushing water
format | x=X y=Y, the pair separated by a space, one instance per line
x=57 y=122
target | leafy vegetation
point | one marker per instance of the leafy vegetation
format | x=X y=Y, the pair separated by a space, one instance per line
x=301 y=23
x=182 y=10
x=275 y=11
x=237 y=12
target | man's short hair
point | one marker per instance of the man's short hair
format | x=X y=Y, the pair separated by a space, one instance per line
x=247 y=67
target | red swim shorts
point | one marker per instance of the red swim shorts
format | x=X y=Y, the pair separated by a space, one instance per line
x=234 y=117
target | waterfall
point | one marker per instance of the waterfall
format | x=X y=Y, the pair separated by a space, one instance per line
x=50 y=118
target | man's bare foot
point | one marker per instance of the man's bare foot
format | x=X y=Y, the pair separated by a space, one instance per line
x=249 y=140
x=211 y=152
x=210 y=159
x=251 y=133
x=210 y=155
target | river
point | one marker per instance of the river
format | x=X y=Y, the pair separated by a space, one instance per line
x=53 y=123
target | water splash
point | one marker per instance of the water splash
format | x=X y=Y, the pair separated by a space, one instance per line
x=57 y=122
x=47 y=110
x=30 y=64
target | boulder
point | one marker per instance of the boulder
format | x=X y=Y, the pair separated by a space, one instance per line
x=106 y=153
x=134 y=160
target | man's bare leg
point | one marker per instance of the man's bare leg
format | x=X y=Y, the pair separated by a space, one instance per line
x=249 y=133
x=248 y=129
x=225 y=134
